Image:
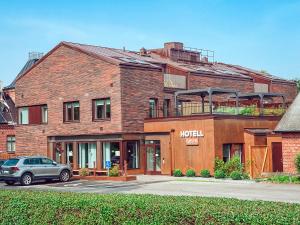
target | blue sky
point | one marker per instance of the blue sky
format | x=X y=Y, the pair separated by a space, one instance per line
x=258 y=34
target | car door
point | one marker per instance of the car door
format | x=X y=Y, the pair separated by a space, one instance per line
x=50 y=168
x=33 y=165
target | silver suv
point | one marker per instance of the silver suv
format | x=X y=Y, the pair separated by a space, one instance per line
x=28 y=169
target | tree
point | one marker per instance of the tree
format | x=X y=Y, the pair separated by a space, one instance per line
x=298 y=84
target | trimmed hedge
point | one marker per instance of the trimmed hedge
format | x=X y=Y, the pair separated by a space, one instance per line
x=205 y=173
x=190 y=173
x=34 y=207
x=177 y=173
x=219 y=174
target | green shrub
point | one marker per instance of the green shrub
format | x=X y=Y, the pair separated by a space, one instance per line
x=26 y=207
x=233 y=164
x=219 y=164
x=297 y=163
x=246 y=176
x=284 y=179
x=190 y=173
x=84 y=172
x=205 y=173
x=236 y=175
x=177 y=173
x=219 y=174
x=114 y=171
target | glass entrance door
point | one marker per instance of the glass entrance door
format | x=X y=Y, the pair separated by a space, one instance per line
x=153 y=158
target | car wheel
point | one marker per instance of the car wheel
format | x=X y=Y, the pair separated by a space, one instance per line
x=64 y=176
x=10 y=182
x=26 y=179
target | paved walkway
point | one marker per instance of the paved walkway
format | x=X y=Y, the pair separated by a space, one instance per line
x=165 y=185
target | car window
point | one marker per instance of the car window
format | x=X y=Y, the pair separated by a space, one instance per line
x=11 y=162
x=47 y=161
x=32 y=161
x=2 y=162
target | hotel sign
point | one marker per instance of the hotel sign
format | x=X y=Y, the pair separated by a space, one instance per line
x=191 y=136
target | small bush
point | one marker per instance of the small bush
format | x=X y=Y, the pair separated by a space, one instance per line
x=190 y=173
x=219 y=174
x=284 y=179
x=297 y=163
x=236 y=175
x=177 y=173
x=219 y=164
x=205 y=173
x=233 y=164
x=84 y=172
x=246 y=176
x=114 y=171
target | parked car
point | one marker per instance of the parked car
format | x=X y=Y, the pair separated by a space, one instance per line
x=28 y=169
x=2 y=161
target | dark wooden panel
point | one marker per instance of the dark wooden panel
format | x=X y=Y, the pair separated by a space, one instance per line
x=35 y=116
x=277 y=157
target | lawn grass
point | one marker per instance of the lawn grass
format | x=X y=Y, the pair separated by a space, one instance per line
x=35 y=207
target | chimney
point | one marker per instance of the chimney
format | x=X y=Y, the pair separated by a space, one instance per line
x=204 y=59
x=143 y=52
x=173 y=45
x=35 y=55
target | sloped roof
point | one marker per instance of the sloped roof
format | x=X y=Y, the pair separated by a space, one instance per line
x=8 y=116
x=247 y=70
x=204 y=68
x=119 y=55
x=290 y=122
x=25 y=68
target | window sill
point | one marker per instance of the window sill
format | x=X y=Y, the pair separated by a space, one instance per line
x=68 y=122
x=101 y=120
x=11 y=152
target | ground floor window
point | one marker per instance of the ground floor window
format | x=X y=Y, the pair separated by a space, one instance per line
x=132 y=154
x=87 y=155
x=69 y=153
x=231 y=150
x=111 y=152
x=11 y=143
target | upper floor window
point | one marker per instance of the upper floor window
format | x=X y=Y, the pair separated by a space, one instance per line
x=36 y=114
x=174 y=81
x=153 y=109
x=101 y=109
x=24 y=115
x=166 y=107
x=11 y=143
x=71 y=111
x=44 y=111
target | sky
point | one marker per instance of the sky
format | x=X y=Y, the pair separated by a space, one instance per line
x=263 y=35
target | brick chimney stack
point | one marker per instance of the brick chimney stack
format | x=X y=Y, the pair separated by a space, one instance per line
x=143 y=52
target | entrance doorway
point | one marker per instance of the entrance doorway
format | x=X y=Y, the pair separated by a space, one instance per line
x=153 y=157
x=277 y=157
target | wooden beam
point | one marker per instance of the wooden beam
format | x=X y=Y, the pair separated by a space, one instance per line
x=264 y=162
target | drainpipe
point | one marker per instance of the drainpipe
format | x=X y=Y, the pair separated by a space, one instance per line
x=210 y=101
x=172 y=157
x=261 y=110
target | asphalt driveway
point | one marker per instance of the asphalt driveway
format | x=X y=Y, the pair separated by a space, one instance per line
x=163 y=185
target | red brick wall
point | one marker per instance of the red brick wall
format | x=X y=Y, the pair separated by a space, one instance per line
x=5 y=130
x=290 y=148
x=289 y=89
x=67 y=75
x=138 y=86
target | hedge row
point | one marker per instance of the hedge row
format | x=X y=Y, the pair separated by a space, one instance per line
x=32 y=207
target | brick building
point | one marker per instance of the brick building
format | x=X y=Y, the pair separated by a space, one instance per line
x=289 y=127
x=7 y=123
x=86 y=105
x=8 y=112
